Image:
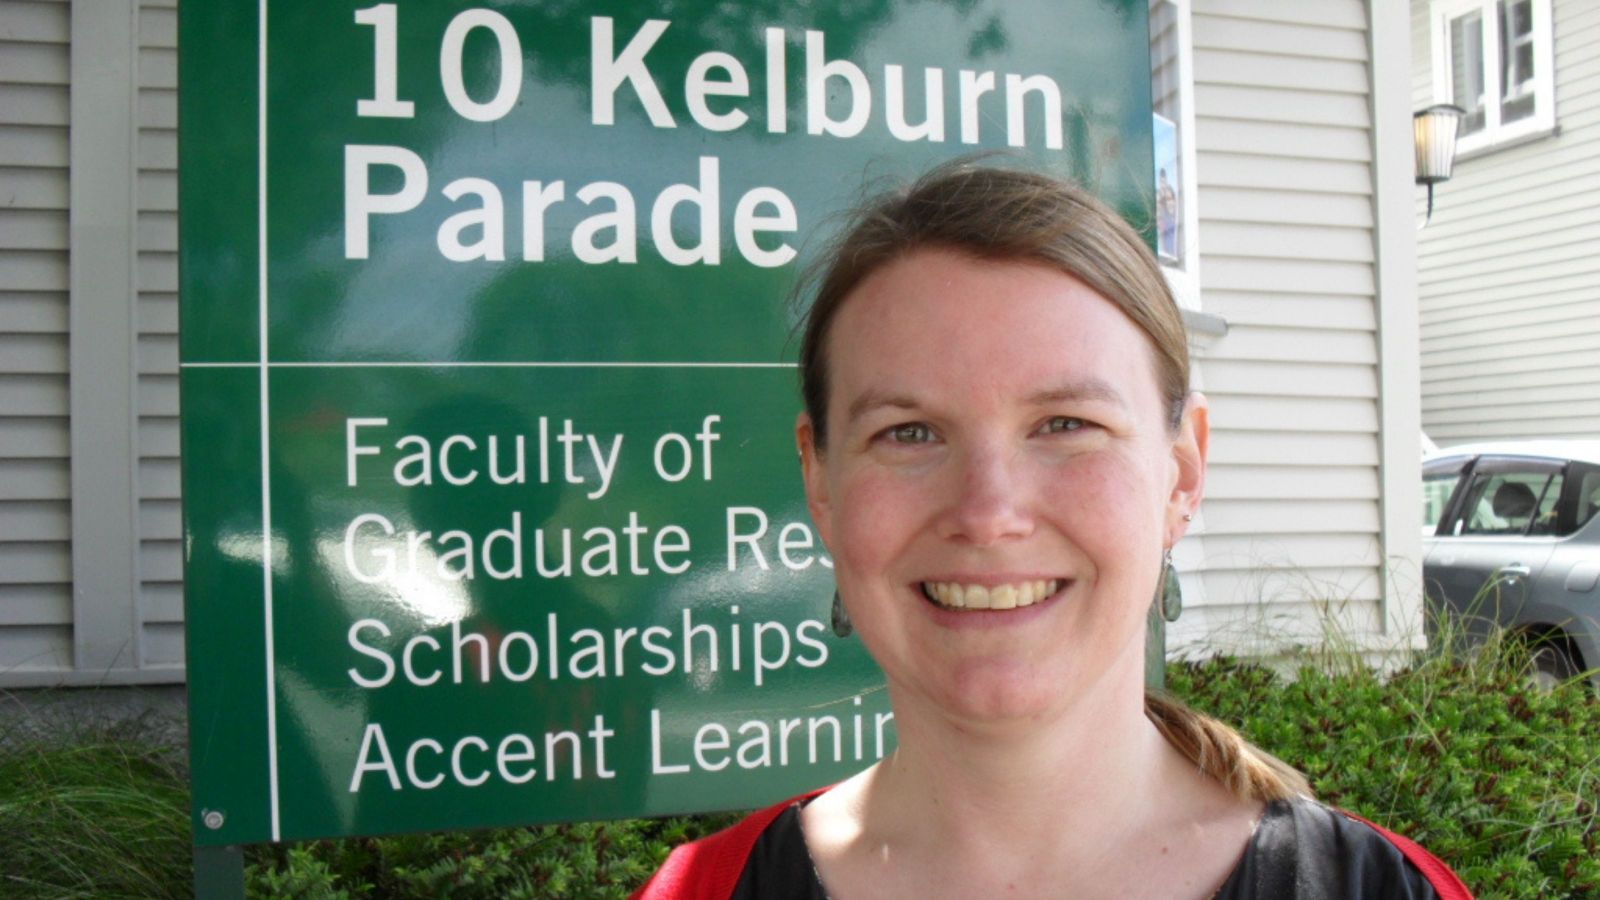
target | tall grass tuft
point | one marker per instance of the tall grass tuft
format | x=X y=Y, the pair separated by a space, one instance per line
x=101 y=813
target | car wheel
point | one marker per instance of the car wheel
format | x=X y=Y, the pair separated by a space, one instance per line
x=1549 y=665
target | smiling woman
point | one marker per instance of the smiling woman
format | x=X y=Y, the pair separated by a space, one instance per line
x=999 y=449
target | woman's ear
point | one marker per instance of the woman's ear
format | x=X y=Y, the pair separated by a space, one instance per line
x=1189 y=457
x=816 y=480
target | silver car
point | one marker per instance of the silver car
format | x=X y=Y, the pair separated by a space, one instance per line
x=1510 y=536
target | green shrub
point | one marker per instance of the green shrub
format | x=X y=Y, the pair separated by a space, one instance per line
x=1498 y=780
x=587 y=859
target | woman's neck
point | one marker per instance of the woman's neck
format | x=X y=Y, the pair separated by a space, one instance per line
x=969 y=786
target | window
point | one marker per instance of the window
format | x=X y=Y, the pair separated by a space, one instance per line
x=1438 y=483
x=1510 y=503
x=1493 y=58
x=1171 y=102
x=1587 y=500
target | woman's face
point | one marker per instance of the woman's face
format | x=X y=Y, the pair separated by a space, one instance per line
x=996 y=439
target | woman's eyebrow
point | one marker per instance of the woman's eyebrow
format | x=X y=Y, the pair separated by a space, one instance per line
x=1086 y=390
x=871 y=400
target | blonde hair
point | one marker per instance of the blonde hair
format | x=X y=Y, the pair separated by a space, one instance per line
x=1244 y=769
x=1013 y=215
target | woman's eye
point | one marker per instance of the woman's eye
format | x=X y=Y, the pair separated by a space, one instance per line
x=910 y=433
x=1060 y=424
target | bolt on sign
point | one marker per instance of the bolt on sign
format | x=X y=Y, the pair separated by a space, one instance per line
x=492 y=512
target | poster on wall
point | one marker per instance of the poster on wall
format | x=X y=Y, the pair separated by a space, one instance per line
x=1169 y=190
x=493 y=513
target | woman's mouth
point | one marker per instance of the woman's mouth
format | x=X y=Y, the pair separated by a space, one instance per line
x=1012 y=595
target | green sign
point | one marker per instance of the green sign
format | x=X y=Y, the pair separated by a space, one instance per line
x=493 y=514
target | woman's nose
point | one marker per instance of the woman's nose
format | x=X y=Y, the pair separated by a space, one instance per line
x=991 y=504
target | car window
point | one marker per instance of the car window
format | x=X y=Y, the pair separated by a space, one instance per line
x=1438 y=483
x=1507 y=503
x=1544 y=518
x=1587 y=499
x=1436 y=491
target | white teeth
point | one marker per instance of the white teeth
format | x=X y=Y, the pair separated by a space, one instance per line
x=976 y=596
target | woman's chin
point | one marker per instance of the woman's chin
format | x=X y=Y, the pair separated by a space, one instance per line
x=997 y=694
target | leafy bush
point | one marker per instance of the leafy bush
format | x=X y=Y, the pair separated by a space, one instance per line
x=1498 y=780
x=587 y=859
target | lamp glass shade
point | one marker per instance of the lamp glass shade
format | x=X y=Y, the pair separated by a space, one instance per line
x=1435 y=135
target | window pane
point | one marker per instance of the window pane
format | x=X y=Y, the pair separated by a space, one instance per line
x=1466 y=69
x=1436 y=490
x=1166 y=97
x=1588 y=497
x=1164 y=59
x=1516 y=60
x=1544 y=519
x=1505 y=503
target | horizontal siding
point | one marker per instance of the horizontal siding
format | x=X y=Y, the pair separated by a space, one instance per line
x=1558 y=380
x=1242 y=204
x=1272 y=612
x=1287 y=551
x=1508 y=276
x=1291 y=378
x=1581 y=338
x=31 y=647
x=1293 y=448
x=1545 y=327
x=160 y=521
x=35 y=489
x=1568 y=303
x=1287 y=517
x=1285 y=178
x=1528 y=412
x=1228 y=67
x=1463 y=406
x=1567 y=288
x=1270 y=33
x=36 y=605
x=1254 y=480
x=1490 y=428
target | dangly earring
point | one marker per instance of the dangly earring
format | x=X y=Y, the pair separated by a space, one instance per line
x=841 y=619
x=1169 y=596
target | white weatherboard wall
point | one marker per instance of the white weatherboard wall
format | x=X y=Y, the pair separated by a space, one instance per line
x=1295 y=518
x=1509 y=269
x=90 y=558
x=160 y=524
x=35 y=514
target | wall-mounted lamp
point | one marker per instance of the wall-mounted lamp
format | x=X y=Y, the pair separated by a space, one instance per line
x=1434 y=130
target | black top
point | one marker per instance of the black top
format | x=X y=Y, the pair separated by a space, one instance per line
x=1301 y=850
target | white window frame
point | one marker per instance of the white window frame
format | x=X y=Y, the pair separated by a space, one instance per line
x=1184 y=277
x=1494 y=134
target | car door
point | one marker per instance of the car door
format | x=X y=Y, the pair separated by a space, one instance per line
x=1567 y=595
x=1495 y=540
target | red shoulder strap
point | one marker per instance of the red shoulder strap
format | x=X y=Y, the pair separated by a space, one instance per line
x=1444 y=881
x=709 y=869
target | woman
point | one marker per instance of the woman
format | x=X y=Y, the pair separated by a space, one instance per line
x=1000 y=449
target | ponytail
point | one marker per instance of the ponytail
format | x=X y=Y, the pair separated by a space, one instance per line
x=1247 y=771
